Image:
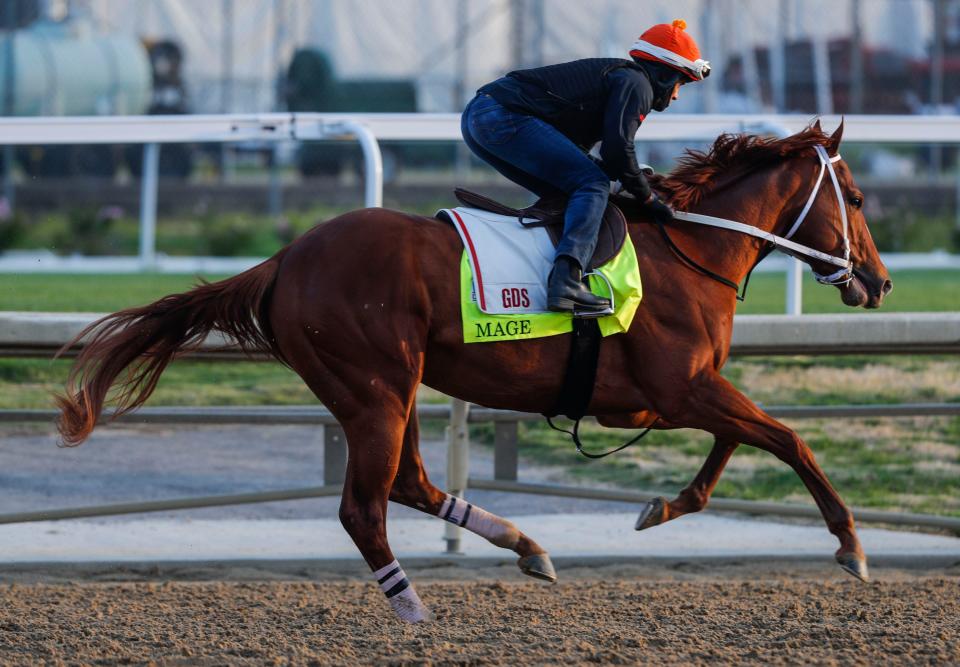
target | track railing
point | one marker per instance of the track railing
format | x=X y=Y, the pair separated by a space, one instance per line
x=32 y=334
x=460 y=415
x=41 y=334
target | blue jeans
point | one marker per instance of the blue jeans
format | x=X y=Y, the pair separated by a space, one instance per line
x=534 y=154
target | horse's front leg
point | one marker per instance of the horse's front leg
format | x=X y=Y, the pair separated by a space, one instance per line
x=714 y=405
x=697 y=493
x=695 y=496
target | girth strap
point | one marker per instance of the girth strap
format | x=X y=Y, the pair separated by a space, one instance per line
x=581 y=373
x=578 y=383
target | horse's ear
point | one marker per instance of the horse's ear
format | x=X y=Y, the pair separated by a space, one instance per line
x=833 y=145
x=816 y=125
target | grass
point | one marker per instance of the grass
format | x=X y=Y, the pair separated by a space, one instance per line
x=909 y=464
x=87 y=293
x=897 y=464
x=905 y=464
x=93 y=232
x=915 y=290
x=90 y=232
x=30 y=383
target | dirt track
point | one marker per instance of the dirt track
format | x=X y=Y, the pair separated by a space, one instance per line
x=747 y=612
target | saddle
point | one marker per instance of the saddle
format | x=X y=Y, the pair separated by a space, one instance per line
x=548 y=213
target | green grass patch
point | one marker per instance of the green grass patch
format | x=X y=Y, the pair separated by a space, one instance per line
x=101 y=232
x=31 y=383
x=896 y=464
x=88 y=293
x=915 y=290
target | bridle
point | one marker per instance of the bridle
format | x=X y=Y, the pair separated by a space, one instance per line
x=783 y=243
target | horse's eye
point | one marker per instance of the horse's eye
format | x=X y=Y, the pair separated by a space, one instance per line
x=856 y=202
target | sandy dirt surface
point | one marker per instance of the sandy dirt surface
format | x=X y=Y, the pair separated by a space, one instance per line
x=648 y=613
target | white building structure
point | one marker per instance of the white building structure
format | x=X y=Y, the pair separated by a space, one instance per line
x=236 y=48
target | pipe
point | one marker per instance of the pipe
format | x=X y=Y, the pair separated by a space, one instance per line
x=174 y=504
x=719 y=504
x=149 y=182
x=458 y=464
x=372 y=159
x=795 y=287
x=301 y=414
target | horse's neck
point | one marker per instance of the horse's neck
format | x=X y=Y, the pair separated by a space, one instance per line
x=758 y=201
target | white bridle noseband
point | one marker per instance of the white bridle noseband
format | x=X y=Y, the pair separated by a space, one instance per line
x=840 y=277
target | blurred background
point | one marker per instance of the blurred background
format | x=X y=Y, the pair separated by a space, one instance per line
x=115 y=57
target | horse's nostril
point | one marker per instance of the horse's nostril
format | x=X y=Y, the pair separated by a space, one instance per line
x=887 y=287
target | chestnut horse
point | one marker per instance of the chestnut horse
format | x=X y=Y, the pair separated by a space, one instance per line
x=366 y=307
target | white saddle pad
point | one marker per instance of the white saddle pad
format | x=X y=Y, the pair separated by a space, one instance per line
x=510 y=262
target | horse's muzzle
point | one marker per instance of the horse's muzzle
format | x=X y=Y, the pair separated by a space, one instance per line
x=865 y=289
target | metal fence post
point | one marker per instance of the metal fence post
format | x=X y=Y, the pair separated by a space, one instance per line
x=505 y=450
x=275 y=196
x=334 y=455
x=795 y=287
x=956 y=209
x=149 y=179
x=458 y=463
x=9 y=187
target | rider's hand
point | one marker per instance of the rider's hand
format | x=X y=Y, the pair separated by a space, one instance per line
x=657 y=208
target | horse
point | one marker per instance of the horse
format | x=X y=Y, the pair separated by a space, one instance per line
x=366 y=306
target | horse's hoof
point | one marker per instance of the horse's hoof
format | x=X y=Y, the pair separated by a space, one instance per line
x=855 y=565
x=652 y=514
x=411 y=613
x=538 y=566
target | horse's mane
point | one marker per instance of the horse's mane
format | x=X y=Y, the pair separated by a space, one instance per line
x=732 y=156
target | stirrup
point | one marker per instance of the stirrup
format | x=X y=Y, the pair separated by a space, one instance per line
x=593 y=314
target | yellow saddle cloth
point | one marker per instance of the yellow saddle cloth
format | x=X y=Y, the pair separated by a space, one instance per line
x=622 y=271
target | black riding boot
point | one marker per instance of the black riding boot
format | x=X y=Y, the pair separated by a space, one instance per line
x=566 y=291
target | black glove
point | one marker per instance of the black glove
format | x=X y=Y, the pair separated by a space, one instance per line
x=657 y=208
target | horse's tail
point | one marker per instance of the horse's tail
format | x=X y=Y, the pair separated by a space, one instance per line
x=138 y=343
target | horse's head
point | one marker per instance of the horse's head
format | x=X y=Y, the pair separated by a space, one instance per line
x=867 y=282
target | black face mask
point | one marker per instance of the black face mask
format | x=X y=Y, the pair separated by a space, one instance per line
x=663 y=79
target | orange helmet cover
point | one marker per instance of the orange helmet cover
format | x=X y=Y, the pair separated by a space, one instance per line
x=672 y=37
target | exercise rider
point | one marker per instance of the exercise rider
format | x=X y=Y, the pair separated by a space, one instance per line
x=536 y=127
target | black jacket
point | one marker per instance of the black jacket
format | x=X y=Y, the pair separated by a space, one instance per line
x=591 y=100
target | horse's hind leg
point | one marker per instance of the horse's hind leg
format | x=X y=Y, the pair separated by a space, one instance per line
x=374 y=445
x=373 y=415
x=413 y=489
x=697 y=493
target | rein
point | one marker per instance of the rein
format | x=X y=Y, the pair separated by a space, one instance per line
x=783 y=243
x=575 y=434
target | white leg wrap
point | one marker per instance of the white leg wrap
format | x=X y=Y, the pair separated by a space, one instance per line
x=478 y=520
x=404 y=600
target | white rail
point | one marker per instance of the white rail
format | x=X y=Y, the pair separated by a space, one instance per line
x=369 y=129
x=29 y=333
x=434 y=127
